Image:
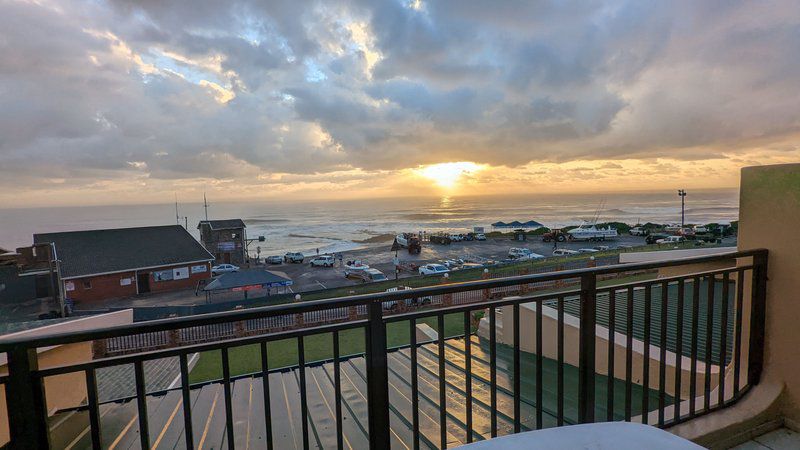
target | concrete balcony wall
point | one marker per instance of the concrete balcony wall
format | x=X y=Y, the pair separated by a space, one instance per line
x=68 y=390
x=769 y=213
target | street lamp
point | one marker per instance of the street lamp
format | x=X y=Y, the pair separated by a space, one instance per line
x=682 y=195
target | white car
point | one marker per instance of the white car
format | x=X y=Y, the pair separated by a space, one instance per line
x=456 y=237
x=480 y=237
x=671 y=240
x=224 y=268
x=523 y=253
x=587 y=250
x=602 y=248
x=699 y=229
x=433 y=269
x=323 y=261
x=564 y=252
x=638 y=231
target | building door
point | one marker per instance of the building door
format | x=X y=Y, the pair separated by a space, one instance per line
x=143 y=282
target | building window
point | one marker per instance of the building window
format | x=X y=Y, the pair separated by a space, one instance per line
x=87 y=284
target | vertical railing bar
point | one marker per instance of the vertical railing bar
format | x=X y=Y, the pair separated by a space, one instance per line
x=517 y=370
x=25 y=395
x=337 y=389
x=737 y=343
x=629 y=356
x=678 y=354
x=612 y=318
x=94 y=408
x=442 y=383
x=267 y=405
x=695 y=332
x=493 y=370
x=539 y=364
x=187 y=401
x=301 y=363
x=709 y=341
x=414 y=385
x=560 y=375
x=467 y=372
x=141 y=403
x=226 y=386
x=377 y=378
x=648 y=294
x=723 y=338
x=662 y=364
x=586 y=348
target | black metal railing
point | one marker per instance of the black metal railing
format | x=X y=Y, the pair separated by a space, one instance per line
x=592 y=348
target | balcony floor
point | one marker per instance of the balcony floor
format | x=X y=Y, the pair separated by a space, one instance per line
x=782 y=438
x=118 y=419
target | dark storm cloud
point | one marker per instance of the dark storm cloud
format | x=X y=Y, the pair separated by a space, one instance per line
x=232 y=89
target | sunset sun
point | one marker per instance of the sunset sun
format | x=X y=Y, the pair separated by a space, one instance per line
x=447 y=175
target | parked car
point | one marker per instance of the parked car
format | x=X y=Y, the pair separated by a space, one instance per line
x=391 y=305
x=294 y=257
x=433 y=269
x=274 y=259
x=700 y=229
x=370 y=275
x=523 y=253
x=323 y=261
x=602 y=248
x=638 y=231
x=452 y=263
x=224 y=268
x=652 y=238
x=480 y=237
x=671 y=240
x=456 y=237
x=564 y=252
x=471 y=266
x=587 y=250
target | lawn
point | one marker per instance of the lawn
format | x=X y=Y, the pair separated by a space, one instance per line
x=247 y=358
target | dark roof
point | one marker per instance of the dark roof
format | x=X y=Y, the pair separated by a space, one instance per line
x=248 y=278
x=116 y=250
x=227 y=224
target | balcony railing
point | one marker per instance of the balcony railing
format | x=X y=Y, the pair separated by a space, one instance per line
x=585 y=348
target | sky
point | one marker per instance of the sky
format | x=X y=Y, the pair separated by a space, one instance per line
x=125 y=101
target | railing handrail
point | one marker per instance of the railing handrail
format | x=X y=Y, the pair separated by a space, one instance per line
x=69 y=337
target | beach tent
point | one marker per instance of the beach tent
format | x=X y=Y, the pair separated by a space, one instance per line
x=500 y=225
x=515 y=224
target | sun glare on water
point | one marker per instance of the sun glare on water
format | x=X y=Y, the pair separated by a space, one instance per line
x=447 y=175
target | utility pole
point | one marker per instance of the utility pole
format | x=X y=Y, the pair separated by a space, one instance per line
x=205 y=204
x=682 y=195
x=177 y=217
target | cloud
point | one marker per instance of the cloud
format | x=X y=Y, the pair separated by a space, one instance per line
x=241 y=89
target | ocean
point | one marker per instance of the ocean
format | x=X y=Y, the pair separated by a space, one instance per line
x=338 y=226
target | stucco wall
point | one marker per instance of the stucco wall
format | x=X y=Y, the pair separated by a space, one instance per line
x=769 y=214
x=67 y=390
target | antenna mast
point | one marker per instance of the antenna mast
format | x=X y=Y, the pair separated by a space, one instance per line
x=177 y=217
x=205 y=204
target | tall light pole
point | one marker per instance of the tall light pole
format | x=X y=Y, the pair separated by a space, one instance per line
x=682 y=195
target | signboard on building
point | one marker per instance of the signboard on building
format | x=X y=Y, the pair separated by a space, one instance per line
x=125 y=281
x=180 y=273
x=162 y=275
x=199 y=269
x=226 y=246
x=69 y=286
